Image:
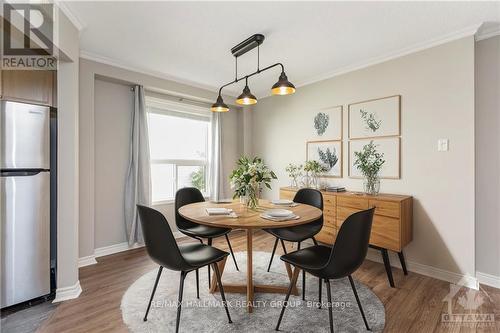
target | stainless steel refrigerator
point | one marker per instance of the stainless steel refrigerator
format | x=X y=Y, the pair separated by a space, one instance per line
x=25 y=202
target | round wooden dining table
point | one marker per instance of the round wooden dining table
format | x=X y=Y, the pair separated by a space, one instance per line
x=249 y=220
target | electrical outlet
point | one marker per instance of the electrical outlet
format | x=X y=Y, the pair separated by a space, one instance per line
x=443 y=145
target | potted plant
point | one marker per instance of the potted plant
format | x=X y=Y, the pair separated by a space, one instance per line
x=294 y=172
x=369 y=162
x=313 y=169
x=248 y=177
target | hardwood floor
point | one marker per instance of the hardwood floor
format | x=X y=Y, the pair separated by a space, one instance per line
x=415 y=305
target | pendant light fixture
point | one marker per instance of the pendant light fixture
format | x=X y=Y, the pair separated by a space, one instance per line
x=282 y=87
x=219 y=105
x=246 y=98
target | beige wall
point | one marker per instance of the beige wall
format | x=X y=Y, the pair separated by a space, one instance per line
x=437 y=89
x=67 y=159
x=488 y=156
x=106 y=103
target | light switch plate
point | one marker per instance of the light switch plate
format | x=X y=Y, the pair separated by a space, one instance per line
x=443 y=145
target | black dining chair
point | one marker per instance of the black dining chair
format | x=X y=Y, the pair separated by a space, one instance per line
x=163 y=250
x=341 y=260
x=300 y=233
x=189 y=195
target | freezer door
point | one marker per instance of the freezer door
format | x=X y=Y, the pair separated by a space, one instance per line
x=25 y=235
x=25 y=135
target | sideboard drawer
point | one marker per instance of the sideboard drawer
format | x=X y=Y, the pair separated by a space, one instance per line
x=386 y=233
x=353 y=202
x=329 y=200
x=329 y=221
x=385 y=208
x=343 y=213
x=329 y=211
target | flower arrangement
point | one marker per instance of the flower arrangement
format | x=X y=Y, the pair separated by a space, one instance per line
x=294 y=171
x=315 y=169
x=248 y=178
x=369 y=162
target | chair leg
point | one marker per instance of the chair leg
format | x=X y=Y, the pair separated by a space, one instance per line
x=283 y=246
x=231 y=250
x=320 y=291
x=315 y=241
x=272 y=254
x=359 y=303
x=303 y=278
x=153 y=293
x=209 y=279
x=403 y=263
x=330 y=304
x=221 y=289
x=179 y=305
x=197 y=284
x=292 y=283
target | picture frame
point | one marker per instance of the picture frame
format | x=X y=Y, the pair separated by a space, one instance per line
x=375 y=118
x=329 y=148
x=327 y=124
x=389 y=146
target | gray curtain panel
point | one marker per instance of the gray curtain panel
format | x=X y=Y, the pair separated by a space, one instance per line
x=216 y=178
x=138 y=181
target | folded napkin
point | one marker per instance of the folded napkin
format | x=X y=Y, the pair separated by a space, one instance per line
x=218 y=211
x=293 y=204
x=221 y=211
x=280 y=219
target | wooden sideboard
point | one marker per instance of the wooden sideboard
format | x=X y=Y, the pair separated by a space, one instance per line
x=392 y=223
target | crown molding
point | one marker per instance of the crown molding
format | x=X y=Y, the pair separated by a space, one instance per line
x=469 y=31
x=123 y=65
x=77 y=22
x=488 y=32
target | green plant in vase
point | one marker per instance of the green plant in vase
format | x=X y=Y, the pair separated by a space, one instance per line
x=294 y=172
x=369 y=162
x=313 y=169
x=249 y=177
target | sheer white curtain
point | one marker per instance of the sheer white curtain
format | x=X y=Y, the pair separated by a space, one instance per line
x=216 y=178
x=138 y=181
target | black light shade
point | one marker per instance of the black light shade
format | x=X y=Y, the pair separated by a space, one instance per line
x=283 y=86
x=219 y=105
x=246 y=98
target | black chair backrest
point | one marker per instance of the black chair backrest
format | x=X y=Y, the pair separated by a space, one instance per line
x=186 y=196
x=350 y=247
x=160 y=242
x=310 y=197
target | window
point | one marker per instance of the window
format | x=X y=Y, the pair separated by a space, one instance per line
x=179 y=144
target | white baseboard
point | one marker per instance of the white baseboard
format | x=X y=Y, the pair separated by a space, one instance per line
x=86 y=261
x=433 y=272
x=488 y=279
x=112 y=249
x=67 y=293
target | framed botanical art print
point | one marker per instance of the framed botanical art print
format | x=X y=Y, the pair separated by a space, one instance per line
x=374 y=118
x=328 y=154
x=327 y=124
x=389 y=147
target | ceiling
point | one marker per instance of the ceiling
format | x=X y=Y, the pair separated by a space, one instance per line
x=190 y=41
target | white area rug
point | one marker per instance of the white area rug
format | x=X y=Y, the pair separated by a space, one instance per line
x=207 y=314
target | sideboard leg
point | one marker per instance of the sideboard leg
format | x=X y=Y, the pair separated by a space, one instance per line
x=403 y=263
x=387 y=264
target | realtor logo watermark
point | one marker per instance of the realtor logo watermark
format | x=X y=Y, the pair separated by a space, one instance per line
x=28 y=37
x=470 y=301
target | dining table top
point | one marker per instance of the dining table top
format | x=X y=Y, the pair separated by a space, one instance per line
x=247 y=218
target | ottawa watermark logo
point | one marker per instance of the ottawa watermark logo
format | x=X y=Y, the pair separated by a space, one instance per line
x=28 y=37
x=466 y=308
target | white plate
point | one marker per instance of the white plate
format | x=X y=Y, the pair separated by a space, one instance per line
x=278 y=212
x=282 y=202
